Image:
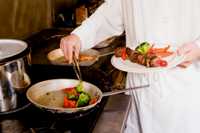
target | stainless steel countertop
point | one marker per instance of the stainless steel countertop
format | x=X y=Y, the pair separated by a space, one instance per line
x=114 y=115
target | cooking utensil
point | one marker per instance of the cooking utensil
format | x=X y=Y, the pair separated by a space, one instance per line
x=14 y=79
x=48 y=94
x=77 y=68
x=56 y=57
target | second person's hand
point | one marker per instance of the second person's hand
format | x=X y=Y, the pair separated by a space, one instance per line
x=70 y=45
x=191 y=51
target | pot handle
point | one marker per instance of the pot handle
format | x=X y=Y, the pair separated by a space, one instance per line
x=123 y=90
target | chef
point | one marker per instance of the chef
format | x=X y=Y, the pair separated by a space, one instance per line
x=172 y=102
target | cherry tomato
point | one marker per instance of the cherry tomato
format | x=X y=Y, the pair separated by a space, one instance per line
x=161 y=63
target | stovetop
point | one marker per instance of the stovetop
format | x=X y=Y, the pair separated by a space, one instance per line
x=34 y=120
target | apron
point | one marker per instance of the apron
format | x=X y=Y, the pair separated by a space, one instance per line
x=172 y=103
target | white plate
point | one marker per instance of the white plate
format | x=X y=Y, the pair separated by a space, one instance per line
x=128 y=66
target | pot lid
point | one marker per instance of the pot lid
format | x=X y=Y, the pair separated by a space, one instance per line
x=11 y=47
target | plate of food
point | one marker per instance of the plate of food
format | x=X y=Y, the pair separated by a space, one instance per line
x=86 y=58
x=146 y=58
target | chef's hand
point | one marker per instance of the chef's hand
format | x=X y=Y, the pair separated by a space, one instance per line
x=70 y=45
x=191 y=51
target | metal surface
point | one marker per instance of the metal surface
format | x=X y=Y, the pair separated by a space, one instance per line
x=49 y=95
x=115 y=92
x=56 y=57
x=114 y=116
x=105 y=54
x=10 y=49
x=14 y=77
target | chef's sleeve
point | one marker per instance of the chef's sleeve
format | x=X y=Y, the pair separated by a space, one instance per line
x=105 y=22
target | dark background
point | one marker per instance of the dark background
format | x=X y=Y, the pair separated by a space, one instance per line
x=21 y=18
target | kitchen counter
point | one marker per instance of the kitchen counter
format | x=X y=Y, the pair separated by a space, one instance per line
x=114 y=115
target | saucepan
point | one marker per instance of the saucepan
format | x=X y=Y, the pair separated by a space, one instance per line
x=49 y=94
x=15 y=63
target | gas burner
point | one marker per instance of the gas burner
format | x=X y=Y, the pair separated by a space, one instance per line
x=50 y=128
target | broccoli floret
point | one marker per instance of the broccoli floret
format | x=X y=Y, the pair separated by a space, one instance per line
x=143 y=48
x=83 y=99
x=79 y=87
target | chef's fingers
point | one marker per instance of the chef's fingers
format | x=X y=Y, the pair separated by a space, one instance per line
x=77 y=50
x=64 y=48
x=61 y=43
x=70 y=45
x=184 y=49
x=185 y=64
x=70 y=51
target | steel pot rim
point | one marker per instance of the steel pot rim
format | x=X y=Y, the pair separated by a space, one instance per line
x=18 y=55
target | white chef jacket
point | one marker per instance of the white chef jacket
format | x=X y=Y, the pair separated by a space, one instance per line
x=172 y=103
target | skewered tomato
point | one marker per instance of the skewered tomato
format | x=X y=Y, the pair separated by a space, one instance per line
x=124 y=56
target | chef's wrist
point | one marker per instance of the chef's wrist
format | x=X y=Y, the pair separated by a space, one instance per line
x=82 y=37
x=78 y=39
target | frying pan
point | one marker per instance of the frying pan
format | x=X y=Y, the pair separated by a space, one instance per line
x=48 y=94
x=56 y=57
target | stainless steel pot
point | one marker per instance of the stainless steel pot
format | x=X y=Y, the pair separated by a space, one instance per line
x=14 y=76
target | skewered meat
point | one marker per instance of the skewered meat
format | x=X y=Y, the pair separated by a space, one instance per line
x=132 y=54
x=118 y=51
x=149 y=60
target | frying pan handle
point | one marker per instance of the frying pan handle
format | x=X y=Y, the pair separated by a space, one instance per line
x=105 y=54
x=124 y=90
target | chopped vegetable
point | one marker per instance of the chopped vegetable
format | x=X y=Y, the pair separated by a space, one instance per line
x=71 y=93
x=164 y=54
x=79 y=87
x=72 y=96
x=69 y=103
x=143 y=48
x=76 y=97
x=156 y=50
x=70 y=90
x=83 y=100
x=93 y=100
